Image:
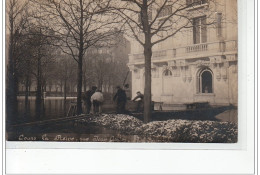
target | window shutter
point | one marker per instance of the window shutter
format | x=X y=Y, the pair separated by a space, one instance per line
x=203 y=30
x=219 y=24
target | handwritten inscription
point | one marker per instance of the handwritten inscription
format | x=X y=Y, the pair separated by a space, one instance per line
x=63 y=138
x=84 y=139
x=99 y=139
x=117 y=139
x=26 y=138
x=76 y=138
x=44 y=137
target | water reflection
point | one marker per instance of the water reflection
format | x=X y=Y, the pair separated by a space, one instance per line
x=75 y=131
x=53 y=107
x=228 y=116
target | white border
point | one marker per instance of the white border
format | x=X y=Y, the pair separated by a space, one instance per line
x=235 y=159
x=2 y=97
x=241 y=113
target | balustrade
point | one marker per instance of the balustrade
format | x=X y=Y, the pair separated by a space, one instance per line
x=203 y=48
x=197 y=48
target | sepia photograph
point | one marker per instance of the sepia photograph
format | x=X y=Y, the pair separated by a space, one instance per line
x=139 y=71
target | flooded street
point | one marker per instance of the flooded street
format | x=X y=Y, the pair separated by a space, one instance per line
x=55 y=108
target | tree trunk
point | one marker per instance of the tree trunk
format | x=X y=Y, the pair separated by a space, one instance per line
x=29 y=89
x=65 y=96
x=11 y=100
x=71 y=89
x=148 y=56
x=147 y=88
x=100 y=83
x=61 y=86
x=45 y=86
x=85 y=83
x=81 y=49
x=26 y=94
x=79 y=85
x=39 y=87
x=65 y=89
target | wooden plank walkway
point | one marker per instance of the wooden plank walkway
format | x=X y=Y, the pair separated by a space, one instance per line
x=52 y=121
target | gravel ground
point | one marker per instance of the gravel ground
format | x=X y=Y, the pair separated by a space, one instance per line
x=171 y=130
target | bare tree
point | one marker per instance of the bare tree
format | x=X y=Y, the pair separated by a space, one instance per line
x=78 y=25
x=17 y=17
x=150 y=22
x=25 y=65
x=64 y=72
x=41 y=54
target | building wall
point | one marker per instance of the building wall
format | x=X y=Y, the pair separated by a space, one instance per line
x=182 y=87
x=186 y=61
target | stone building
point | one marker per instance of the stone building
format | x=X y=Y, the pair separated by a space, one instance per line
x=199 y=64
x=108 y=64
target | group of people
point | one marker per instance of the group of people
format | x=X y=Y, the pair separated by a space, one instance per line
x=121 y=98
x=94 y=98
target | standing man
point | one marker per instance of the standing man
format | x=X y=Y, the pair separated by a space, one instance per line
x=97 y=100
x=87 y=98
x=140 y=101
x=120 y=98
x=128 y=97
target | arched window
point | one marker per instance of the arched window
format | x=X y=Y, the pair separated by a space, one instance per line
x=167 y=83
x=167 y=72
x=206 y=81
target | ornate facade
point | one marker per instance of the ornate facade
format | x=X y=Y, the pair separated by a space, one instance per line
x=199 y=64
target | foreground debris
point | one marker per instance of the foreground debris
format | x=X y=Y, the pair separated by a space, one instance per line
x=169 y=130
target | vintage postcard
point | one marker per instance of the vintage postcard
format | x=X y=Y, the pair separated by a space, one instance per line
x=139 y=71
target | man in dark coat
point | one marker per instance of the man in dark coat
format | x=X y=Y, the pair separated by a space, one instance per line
x=120 y=98
x=87 y=98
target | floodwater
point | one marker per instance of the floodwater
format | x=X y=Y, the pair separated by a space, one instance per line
x=78 y=132
x=53 y=107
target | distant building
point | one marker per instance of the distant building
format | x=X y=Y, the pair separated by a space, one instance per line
x=108 y=64
x=199 y=64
